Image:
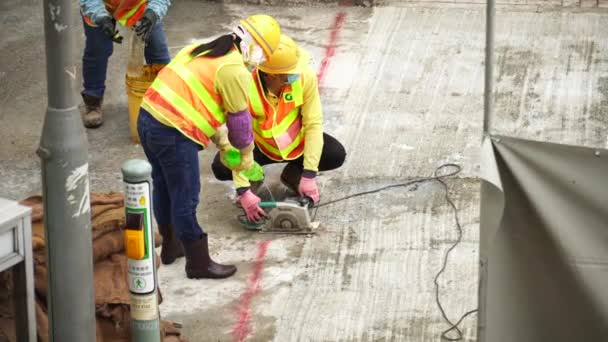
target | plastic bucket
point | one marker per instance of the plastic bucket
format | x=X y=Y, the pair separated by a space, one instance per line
x=136 y=88
x=138 y=79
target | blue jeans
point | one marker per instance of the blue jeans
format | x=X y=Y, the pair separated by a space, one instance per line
x=98 y=49
x=175 y=175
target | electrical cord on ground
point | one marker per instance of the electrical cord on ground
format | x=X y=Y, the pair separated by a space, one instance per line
x=439 y=178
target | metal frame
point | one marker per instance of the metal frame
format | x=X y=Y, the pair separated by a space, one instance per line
x=22 y=263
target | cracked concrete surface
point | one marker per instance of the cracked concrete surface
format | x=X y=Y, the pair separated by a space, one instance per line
x=404 y=93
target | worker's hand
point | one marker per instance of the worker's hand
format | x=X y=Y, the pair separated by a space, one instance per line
x=308 y=188
x=251 y=204
x=144 y=26
x=108 y=26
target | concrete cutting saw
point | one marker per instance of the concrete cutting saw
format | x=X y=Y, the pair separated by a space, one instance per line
x=291 y=216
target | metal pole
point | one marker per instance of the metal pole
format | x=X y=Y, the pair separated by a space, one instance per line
x=64 y=155
x=488 y=99
x=139 y=243
x=488 y=112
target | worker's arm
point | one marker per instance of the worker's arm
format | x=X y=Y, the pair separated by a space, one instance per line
x=94 y=9
x=312 y=123
x=232 y=83
x=159 y=7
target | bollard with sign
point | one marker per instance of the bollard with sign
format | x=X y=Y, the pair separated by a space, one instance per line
x=139 y=245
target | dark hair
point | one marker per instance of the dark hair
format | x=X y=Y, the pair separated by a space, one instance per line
x=218 y=47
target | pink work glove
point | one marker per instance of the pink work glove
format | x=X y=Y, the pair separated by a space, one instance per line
x=250 y=203
x=308 y=187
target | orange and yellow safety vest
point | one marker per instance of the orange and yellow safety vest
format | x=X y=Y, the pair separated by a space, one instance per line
x=183 y=94
x=126 y=12
x=278 y=132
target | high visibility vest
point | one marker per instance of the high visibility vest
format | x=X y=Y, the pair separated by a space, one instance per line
x=278 y=132
x=126 y=12
x=184 y=95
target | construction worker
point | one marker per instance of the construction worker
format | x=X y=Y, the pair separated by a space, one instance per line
x=287 y=124
x=185 y=108
x=100 y=18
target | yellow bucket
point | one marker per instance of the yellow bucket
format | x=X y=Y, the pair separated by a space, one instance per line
x=138 y=79
x=136 y=88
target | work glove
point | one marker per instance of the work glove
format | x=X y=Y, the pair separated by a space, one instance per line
x=308 y=188
x=108 y=26
x=251 y=204
x=144 y=26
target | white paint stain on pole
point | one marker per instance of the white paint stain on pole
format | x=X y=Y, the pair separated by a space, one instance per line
x=78 y=179
x=71 y=73
x=54 y=12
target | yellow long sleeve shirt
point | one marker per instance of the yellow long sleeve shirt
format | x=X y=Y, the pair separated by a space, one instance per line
x=312 y=124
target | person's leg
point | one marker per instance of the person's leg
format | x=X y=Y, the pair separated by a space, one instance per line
x=156 y=50
x=333 y=154
x=178 y=157
x=160 y=195
x=171 y=248
x=97 y=51
x=332 y=157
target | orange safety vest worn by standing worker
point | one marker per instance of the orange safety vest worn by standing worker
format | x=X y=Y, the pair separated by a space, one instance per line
x=126 y=12
x=183 y=94
x=278 y=133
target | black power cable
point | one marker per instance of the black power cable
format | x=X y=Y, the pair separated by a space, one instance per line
x=439 y=178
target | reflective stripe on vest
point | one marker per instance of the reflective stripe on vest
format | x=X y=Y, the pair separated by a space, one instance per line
x=278 y=132
x=129 y=12
x=184 y=100
x=126 y=12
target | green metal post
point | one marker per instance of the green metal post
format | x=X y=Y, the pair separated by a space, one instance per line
x=145 y=322
x=65 y=180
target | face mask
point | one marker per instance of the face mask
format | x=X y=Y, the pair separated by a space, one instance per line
x=253 y=54
x=292 y=78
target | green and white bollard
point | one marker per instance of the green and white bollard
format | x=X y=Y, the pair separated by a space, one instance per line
x=139 y=245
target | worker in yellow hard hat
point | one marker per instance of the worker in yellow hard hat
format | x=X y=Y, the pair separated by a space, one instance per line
x=288 y=123
x=204 y=87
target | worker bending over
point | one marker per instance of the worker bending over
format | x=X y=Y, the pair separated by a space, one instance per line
x=288 y=127
x=100 y=18
x=204 y=86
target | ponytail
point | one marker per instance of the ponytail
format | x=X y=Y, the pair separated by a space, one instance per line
x=216 y=48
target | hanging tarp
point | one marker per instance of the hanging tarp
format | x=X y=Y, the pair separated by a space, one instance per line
x=544 y=242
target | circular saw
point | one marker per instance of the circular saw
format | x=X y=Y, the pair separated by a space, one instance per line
x=291 y=216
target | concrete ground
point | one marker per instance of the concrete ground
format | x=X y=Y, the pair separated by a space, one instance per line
x=404 y=94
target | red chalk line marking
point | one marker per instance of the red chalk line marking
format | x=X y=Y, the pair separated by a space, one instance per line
x=242 y=329
x=330 y=49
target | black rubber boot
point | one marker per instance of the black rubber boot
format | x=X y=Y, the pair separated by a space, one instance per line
x=199 y=263
x=171 y=248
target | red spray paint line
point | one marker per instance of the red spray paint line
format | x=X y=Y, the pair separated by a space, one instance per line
x=242 y=329
x=330 y=49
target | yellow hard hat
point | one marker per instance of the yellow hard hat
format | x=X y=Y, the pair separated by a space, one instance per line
x=265 y=30
x=288 y=58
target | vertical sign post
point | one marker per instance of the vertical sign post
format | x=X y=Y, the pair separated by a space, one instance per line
x=139 y=245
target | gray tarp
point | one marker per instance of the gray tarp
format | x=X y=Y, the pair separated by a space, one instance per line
x=544 y=242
